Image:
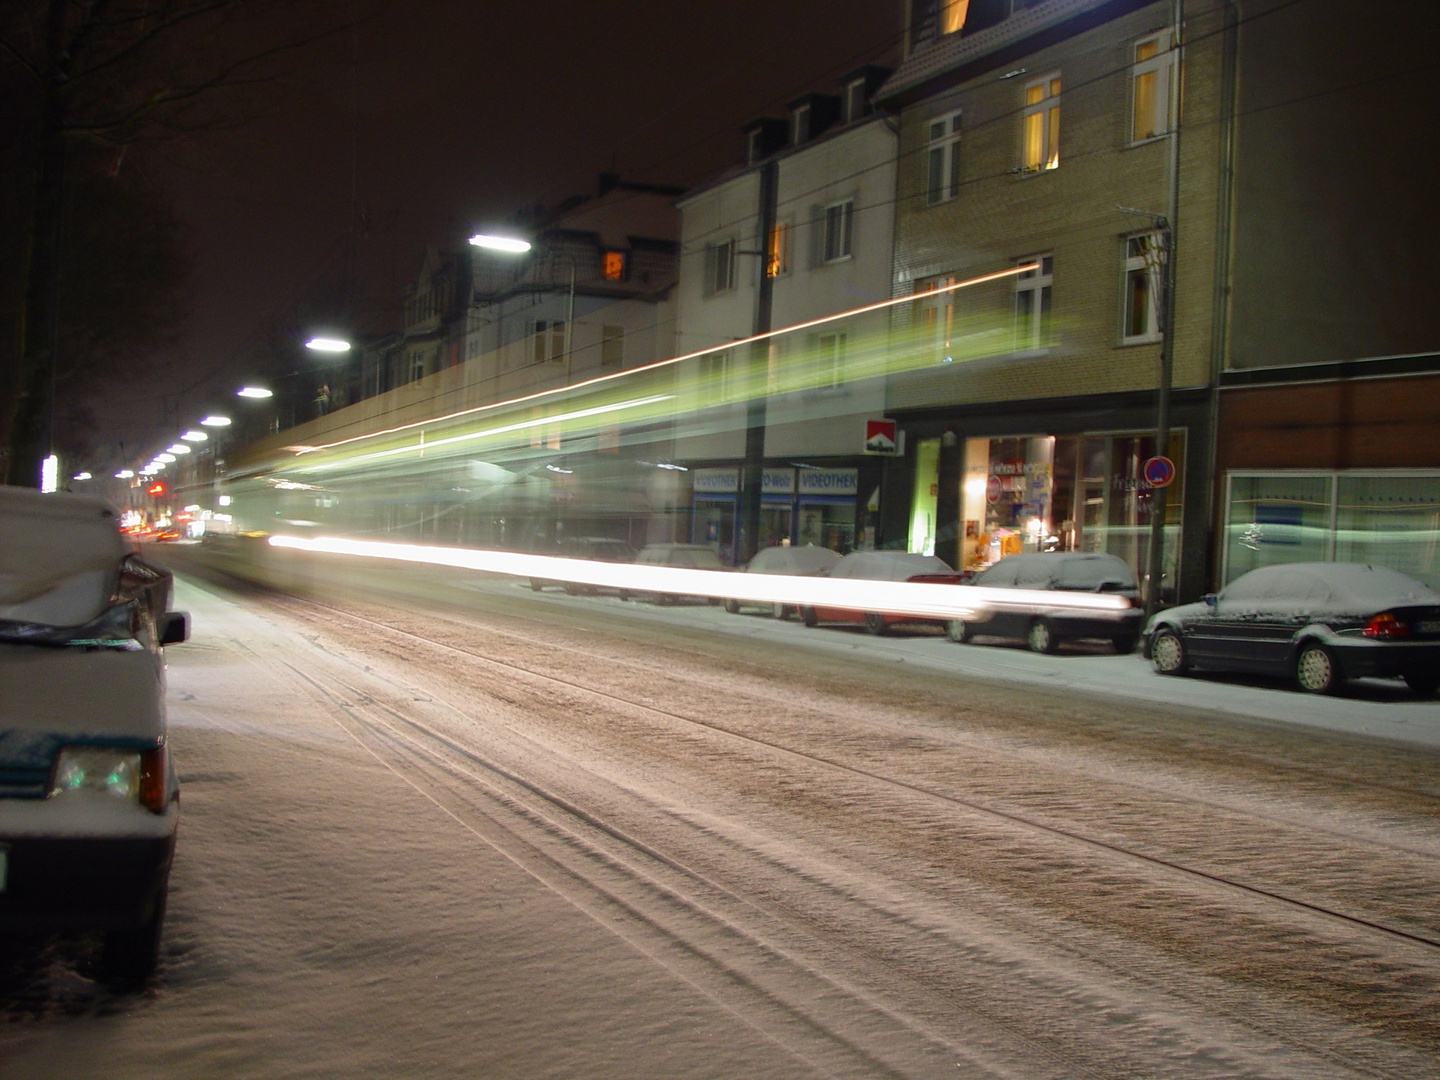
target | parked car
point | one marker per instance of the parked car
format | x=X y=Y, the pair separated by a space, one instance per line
x=806 y=561
x=1042 y=625
x=595 y=548
x=1318 y=623
x=882 y=566
x=88 y=796
x=686 y=556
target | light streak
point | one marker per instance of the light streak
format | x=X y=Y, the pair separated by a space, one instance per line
x=919 y=599
x=880 y=305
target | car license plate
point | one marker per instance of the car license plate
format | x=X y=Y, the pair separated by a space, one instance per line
x=1428 y=626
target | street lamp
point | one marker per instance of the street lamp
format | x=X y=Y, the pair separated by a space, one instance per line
x=328 y=345
x=254 y=392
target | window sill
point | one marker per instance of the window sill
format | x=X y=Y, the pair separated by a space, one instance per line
x=1022 y=173
x=1136 y=143
x=839 y=259
x=1148 y=339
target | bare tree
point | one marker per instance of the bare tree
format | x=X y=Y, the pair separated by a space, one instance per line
x=108 y=75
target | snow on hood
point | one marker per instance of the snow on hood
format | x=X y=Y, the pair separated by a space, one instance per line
x=60 y=557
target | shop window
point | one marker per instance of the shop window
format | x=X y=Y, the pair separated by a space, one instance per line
x=1032 y=302
x=1143 y=264
x=1040 y=125
x=1150 y=93
x=942 y=159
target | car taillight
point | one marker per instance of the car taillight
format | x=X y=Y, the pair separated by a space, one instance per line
x=1386 y=625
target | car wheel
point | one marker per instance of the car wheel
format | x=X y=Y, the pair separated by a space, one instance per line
x=129 y=956
x=1316 y=670
x=1125 y=644
x=732 y=606
x=1168 y=653
x=1422 y=683
x=957 y=630
x=780 y=611
x=536 y=584
x=571 y=589
x=874 y=623
x=624 y=594
x=808 y=616
x=1041 y=637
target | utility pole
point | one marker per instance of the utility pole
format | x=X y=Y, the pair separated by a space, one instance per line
x=758 y=367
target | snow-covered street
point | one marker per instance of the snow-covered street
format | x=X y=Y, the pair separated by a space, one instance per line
x=490 y=832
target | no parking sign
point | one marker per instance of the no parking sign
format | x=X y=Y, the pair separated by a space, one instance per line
x=1158 y=471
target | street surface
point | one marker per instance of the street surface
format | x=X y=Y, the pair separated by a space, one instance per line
x=439 y=825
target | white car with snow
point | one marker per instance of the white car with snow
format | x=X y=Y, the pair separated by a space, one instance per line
x=88 y=796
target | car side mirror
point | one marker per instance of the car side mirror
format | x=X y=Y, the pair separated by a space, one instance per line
x=174 y=627
x=1210 y=599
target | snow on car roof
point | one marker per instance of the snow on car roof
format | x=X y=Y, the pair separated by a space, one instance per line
x=1361 y=585
x=808 y=559
x=60 y=556
x=888 y=565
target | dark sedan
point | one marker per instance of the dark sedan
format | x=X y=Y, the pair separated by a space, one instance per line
x=1318 y=623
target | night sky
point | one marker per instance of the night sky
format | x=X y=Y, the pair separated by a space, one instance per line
x=457 y=113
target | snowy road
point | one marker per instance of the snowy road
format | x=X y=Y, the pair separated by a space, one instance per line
x=516 y=835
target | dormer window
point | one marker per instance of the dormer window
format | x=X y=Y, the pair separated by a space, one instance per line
x=952 y=15
x=799 y=124
x=754 y=146
x=855 y=100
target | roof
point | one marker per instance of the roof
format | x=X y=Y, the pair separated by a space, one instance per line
x=930 y=63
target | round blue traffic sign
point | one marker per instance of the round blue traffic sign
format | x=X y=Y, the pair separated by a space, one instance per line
x=1158 y=471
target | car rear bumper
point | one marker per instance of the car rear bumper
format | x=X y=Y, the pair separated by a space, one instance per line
x=80 y=883
x=1387 y=659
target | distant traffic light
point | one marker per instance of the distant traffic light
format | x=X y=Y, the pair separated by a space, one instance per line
x=156 y=489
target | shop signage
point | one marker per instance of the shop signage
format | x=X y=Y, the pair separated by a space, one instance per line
x=881 y=437
x=716 y=481
x=1159 y=471
x=777 y=482
x=829 y=481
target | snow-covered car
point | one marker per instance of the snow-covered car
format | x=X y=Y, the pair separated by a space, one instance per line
x=806 y=560
x=89 y=801
x=1318 y=623
x=594 y=548
x=683 y=556
x=1046 y=622
x=882 y=566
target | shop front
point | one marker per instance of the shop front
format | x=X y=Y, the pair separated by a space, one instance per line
x=1092 y=491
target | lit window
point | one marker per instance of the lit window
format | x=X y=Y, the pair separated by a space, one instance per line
x=777 y=250
x=952 y=15
x=1042 y=125
x=1143 y=259
x=612 y=346
x=942 y=159
x=1150 y=86
x=612 y=266
x=1032 y=302
x=838 y=230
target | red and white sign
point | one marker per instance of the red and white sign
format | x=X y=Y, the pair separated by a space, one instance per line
x=881 y=437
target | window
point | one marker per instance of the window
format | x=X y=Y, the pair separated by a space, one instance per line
x=952 y=15
x=1143 y=261
x=754 y=146
x=829 y=352
x=799 y=125
x=720 y=275
x=777 y=250
x=549 y=341
x=612 y=346
x=1032 y=303
x=612 y=265
x=855 y=100
x=838 y=230
x=1041 y=134
x=937 y=316
x=1150 y=88
x=942 y=159
x=715 y=372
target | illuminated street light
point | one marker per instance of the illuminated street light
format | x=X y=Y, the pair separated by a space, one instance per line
x=254 y=392
x=326 y=344
x=123 y=474
x=178 y=448
x=81 y=476
x=195 y=436
x=167 y=458
x=500 y=243
x=216 y=421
